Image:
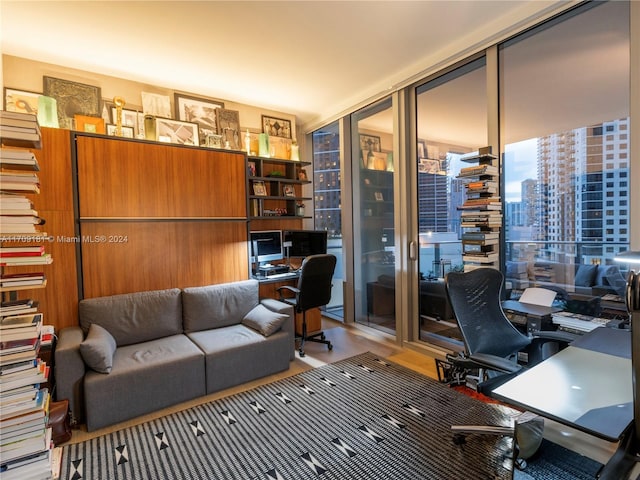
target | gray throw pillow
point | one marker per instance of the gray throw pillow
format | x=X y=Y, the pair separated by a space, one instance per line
x=586 y=275
x=98 y=348
x=264 y=320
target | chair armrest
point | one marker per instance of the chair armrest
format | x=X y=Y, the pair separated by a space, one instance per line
x=70 y=370
x=554 y=336
x=289 y=288
x=493 y=362
x=288 y=326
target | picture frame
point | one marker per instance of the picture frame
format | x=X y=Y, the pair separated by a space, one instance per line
x=259 y=189
x=198 y=110
x=72 y=98
x=422 y=149
x=378 y=196
x=228 y=123
x=169 y=130
x=370 y=143
x=85 y=123
x=288 y=191
x=156 y=104
x=22 y=101
x=276 y=127
x=302 y=175
x=252 y=168
x=129 y=117
x=127 y=132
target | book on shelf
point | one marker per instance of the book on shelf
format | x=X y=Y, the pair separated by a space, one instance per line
x=485 y=258
x=24 y=251
x=480 y=236
x=16 y=367
x=480 y=206
x=27 y=447
x=20 y=187
x=7 y=358
x=14 y=200
x=25 y=333
x=27 y=137
x=24 y=177
x=45 y=259
x=36 y=377
x=13 y=322
x=482 y=243
x=47 y=332
x=39 y=465
x=480 y=185
x=478 y=170
x=18 y=346
x=9 y=116
x=20 y=219
x=475 y=248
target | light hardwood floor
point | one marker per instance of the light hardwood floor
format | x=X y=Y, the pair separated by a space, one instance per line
x=352 y=340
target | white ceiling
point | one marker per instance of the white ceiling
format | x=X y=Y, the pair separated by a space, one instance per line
x=313 y=59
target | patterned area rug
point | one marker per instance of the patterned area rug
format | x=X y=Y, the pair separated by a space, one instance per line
x=363 y=418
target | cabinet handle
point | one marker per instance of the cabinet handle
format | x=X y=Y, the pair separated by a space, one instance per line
x=412 y=250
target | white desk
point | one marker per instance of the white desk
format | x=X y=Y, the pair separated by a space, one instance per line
x=579 y=386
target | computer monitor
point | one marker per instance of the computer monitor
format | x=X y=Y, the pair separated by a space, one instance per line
x=302 y=243
x=266 y=246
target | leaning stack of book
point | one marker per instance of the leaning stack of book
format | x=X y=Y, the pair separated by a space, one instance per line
x=24 y=255
x=25 y=445
x=19 y=129
x=15 y=159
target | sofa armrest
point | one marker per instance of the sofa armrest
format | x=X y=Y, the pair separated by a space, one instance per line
x=289 y=325
x=70 y=370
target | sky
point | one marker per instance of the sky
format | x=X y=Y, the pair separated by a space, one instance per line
x=520 y=163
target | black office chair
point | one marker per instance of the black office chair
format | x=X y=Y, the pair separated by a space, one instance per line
x=314 y=290
x=491 y=342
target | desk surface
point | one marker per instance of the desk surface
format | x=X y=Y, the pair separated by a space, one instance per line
x=280 y=277
x=529 y=308
x=579 y=386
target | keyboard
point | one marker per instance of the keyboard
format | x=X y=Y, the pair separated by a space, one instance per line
x=577 y=322
x=281 y=275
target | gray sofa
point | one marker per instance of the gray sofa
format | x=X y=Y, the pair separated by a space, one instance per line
x=136 y=353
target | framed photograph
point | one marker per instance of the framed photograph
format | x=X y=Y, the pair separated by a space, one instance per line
x=259 y=188
x=127 y=132
x=378 y=196
x=20 y=100
x=370 y=143
x=252 y=169
x=288 y=191
x=228 y=122
x=129 y=117
x=276 y=127
x=302 y=175
x=177 y=131
x=73 y=98
x=198 y=110
x=422 y=149
x=156 y=104
x=88 y=124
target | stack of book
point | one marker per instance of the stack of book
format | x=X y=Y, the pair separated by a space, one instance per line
x=14 y=159
x=19 y=129
x=24 y=255
x=25 y=446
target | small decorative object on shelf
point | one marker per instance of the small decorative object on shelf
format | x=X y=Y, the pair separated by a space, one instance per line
x=150 y=127
x=263 y=145
x=119 y=103
x=295 y=151
x=300 y=209
x=247 y=142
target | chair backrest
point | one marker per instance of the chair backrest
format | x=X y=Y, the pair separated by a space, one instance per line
x=314 y=283
x=475 y=299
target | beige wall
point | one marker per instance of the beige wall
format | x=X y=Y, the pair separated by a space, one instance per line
x=25 y=74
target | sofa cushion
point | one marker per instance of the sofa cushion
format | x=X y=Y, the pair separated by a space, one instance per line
x=604 y=272
x=216 y=306
x=263 y=320
x=134 y=317
x=586 y=275
x=98 y=348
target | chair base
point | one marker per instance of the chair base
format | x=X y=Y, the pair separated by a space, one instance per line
x=316 y=337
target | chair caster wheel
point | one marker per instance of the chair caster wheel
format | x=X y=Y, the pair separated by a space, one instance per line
x=330 y=347
x=301 y=352
x=322 y=337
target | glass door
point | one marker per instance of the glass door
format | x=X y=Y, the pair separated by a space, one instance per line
x=373 y=219
x=451 y=120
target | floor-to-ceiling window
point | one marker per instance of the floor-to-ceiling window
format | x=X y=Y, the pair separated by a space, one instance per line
x=565 y=130
x=328 y=205
x=451 y=120
x=373 y=219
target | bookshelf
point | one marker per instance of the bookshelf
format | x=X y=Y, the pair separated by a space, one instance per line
x=275 y=188
x=26 y=446
x=481 y=213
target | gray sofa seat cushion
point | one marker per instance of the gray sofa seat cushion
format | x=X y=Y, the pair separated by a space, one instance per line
x=216 y=306
x=586 y=275
x=145 y=377
x=238 y=354
x=98 y=348
x=134 y=317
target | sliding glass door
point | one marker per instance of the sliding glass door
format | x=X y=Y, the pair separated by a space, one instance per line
x=451 y=120
x=373 y=219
